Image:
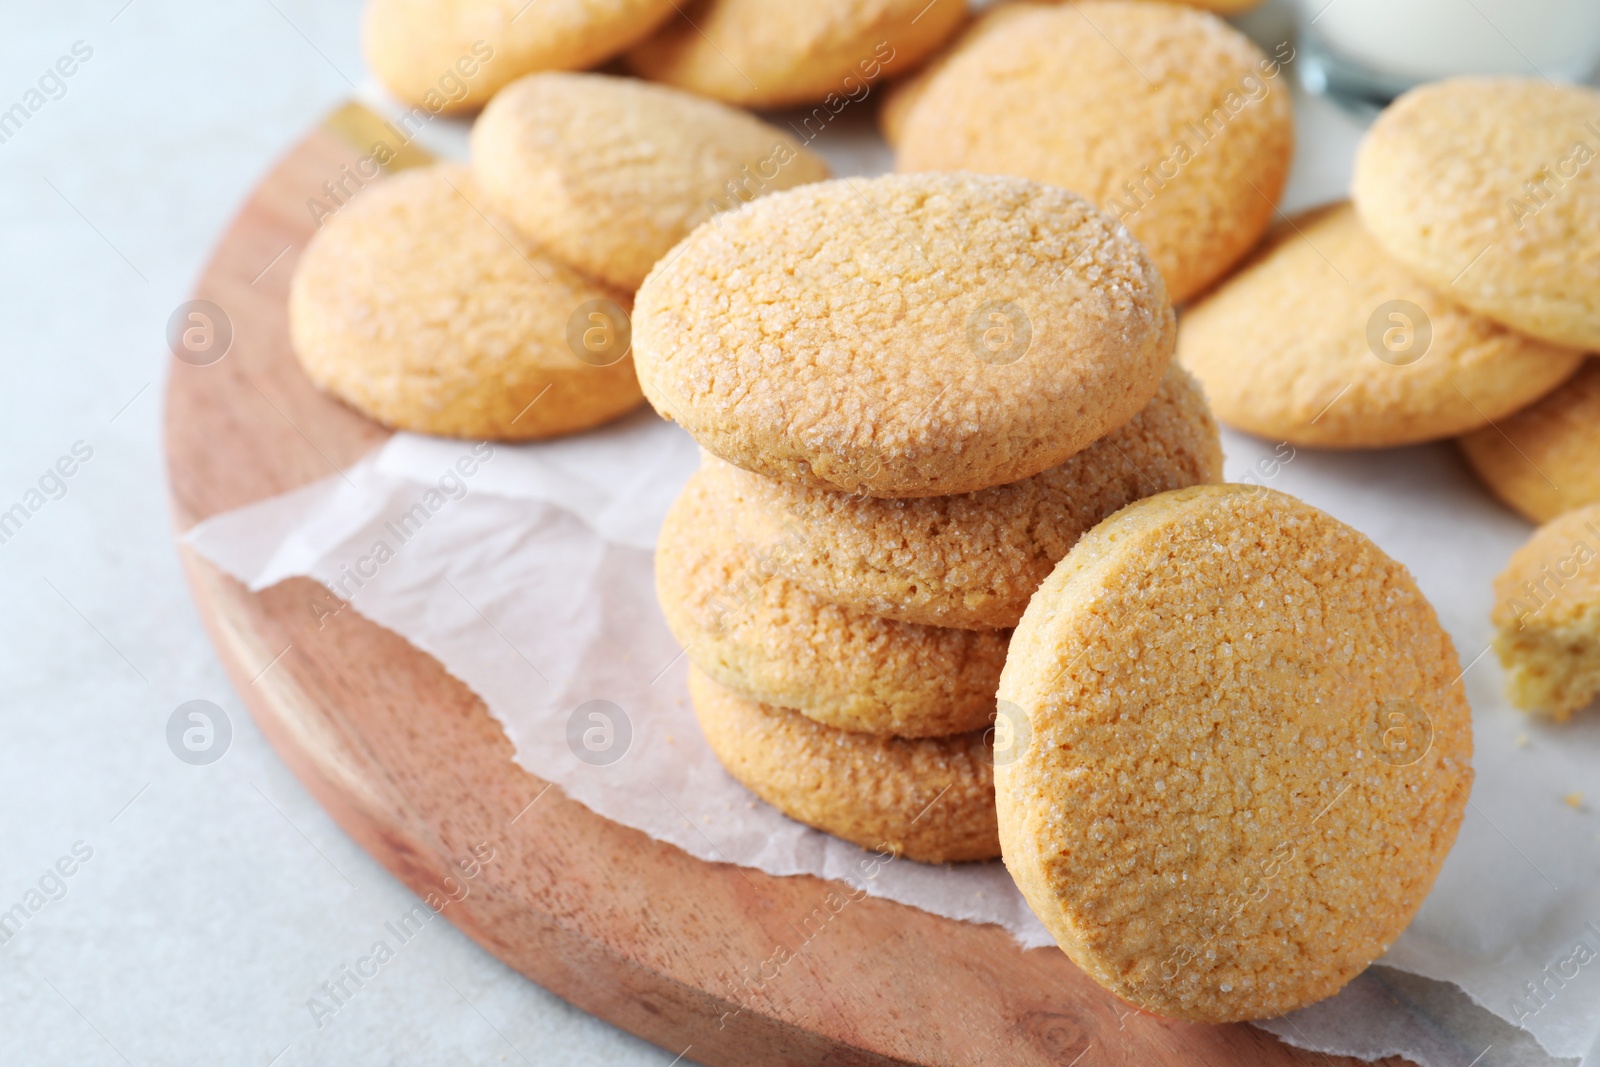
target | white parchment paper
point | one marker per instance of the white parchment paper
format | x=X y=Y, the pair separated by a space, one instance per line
x=526 y=571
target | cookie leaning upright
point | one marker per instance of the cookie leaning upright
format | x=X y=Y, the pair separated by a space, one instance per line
x=1167 y=117
x=1237 y=751
x=1487 y=187
x=419 y=308
x=610 y=173
x=912 y=335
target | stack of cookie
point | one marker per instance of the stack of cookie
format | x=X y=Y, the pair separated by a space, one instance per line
x=914 y=394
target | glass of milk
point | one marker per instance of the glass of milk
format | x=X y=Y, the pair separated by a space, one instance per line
x=1371 y=51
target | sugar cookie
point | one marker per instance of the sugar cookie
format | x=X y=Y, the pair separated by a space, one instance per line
x=911 y=335
x=454 y=55
x=1166 y=117
x=902 y=96
x=419 y=308
x=899 y=98
x=769 y=640
x=610 y=173
x=1545 y=459
x=1322 y=339
x=929 y=799
x=777 y=53
x=1232 y=753
x=972 y=560
x=1547 y=611
x=1488 y=188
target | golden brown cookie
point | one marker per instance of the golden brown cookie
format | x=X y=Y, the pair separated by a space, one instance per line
x=1547 y=611
x=972 y=560
x=1232 y=751
x=911 y=335
x=900 y=97
x=1545 y=459
x=610 y=173
x=1223 y=7
x=1167 y=117
x=1322 y=339
x=771 y=641
x=453 y=55
x=929 y=799
x=418 y=307
x=777 y=53
x=1488 y=188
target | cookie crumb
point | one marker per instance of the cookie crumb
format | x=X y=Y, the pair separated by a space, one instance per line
x=1523 y=740
x=1573 y=801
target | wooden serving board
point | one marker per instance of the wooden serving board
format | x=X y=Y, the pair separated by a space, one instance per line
x=410 y=763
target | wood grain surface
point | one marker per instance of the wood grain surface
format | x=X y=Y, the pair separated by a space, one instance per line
x=410 y=764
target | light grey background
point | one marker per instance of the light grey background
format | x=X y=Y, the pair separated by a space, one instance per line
x=217 y=897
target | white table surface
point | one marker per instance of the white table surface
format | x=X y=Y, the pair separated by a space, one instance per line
x=218 y=897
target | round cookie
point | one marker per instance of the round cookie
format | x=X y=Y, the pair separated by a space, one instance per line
x=418 y=308
x=1223 y=7
x=974 y=560
x=1487 y=188
x=910 y=335
x=769 y=640
x=1322 y=339
x=610 y=173
x=1167 y=117
x=902 y=96
x=454 y=55
x=899 y=98
x=1236 y=751
x=1545 y=459
x=777 y=53
x=1547 y=612
x=929 y=799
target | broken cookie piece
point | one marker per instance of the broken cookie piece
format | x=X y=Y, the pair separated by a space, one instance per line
x=1547 y=609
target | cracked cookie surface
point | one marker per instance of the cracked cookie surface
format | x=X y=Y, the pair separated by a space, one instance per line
x=1239 y=753
x=971 y=560
x=911 y=335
